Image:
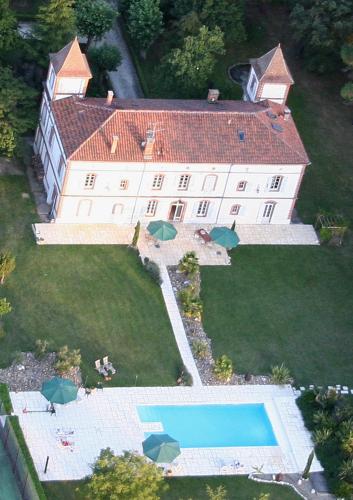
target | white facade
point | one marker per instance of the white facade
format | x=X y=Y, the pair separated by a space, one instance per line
x=122 y=193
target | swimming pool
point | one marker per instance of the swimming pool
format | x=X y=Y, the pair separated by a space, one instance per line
x=212 y=426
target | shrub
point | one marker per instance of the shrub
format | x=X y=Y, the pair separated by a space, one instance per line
x=223 y=368
x=67 y=359
x=306 y=471
x=7 y=265
x=280 y=375
x=327 y=399
x=325 y=234
x=5 y=399
x=217 y=493
x=136 y=234
x=200 y=348
x=191 y=303
x=41 y=348
x=5 y=307
x=189 y=264
x=153 y=270
x=347 y=92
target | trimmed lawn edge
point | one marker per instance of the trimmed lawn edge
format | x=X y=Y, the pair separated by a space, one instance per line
x=5 y=399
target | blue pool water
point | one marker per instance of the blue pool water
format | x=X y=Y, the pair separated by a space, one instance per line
x=209 y=426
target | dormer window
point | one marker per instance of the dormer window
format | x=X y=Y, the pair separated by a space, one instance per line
x=124 y=184
x=51 y=77
x=253 y=83
x=241 y=186
x=90 y=181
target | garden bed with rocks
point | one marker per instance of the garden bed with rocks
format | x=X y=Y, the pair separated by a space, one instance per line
x=196 y=335
x=27 y=372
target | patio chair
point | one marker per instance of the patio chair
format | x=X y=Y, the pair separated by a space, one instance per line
x=108 y=365
x=100 y=369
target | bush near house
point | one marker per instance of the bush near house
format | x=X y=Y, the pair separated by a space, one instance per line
x=5 y=400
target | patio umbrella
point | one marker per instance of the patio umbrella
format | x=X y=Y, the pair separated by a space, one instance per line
x=225 y=237
x=161 y=448
x=59 y=390
x=162 y=230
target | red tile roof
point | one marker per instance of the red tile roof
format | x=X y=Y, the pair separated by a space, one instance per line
x=70 y=61
x=272 y=67
x=187 y=131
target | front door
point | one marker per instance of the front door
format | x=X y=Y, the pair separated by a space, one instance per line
x=267 y=212
x=176 y=211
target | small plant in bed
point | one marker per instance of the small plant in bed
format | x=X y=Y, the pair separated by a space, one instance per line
x=189 y=264
x=200 y=348
x=280 y=375
x=223 y=368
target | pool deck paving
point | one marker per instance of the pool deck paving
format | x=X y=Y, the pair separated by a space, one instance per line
x=74 y=437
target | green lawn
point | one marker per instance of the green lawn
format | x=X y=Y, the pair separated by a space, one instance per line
x=96 y=298
x=191 y=488
x=283 y=304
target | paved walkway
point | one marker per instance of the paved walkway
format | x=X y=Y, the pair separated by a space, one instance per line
x=74 y=437
x=178 y=327
x=277 y=234
x=124 y=81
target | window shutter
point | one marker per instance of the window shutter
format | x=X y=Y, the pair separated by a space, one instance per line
x=194 y=208
x=283 y=184
x=242 y=210
x=268 y=183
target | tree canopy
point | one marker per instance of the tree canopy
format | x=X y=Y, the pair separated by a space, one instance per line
x=17 y=110
x=227 y=15
x=125 y=477
x=192 y=65
x=94 y=18
x=322 y=27
x=56 y=25
x=145 y=21
x=8 y=26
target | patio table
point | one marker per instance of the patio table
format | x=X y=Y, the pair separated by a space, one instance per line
x=203 y=234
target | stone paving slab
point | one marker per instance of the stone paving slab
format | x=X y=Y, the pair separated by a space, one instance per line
x=83 y=234
x=277 y=234
x=110 y=418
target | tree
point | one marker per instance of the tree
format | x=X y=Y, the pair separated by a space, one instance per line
x=94 y=18
x=66 y=359
x=56 y=24
x=347 y=92
x=17 y=111
x=8 y=26
x=5 y=307
x=309 y=462
x=136 y=234
x=193 y=64
x=322 y=26
x=145 y=22
x=7 y=265
x=227 y=15
x=125 y=477
x=104 y=58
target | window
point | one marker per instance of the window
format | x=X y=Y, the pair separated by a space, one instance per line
x=51 y=78
x=44 y=113
x=235 y=209
x=117 y=209
x=124 y=183
x=157 y=181
x=268 y=210
x=51 y=135
x=209 y=183
x=60 y=166
x=151 y=208
x=253 y=83
x=241 y=186
x=276 y=182
x=202 y=209
x=90 y=181
x=184 y=182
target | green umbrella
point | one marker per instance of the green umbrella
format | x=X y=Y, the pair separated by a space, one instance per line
x=59 y=390
x=161 y=448
x=162 y=230
x=225 y=237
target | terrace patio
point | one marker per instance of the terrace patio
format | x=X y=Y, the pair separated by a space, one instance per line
x=110 y=418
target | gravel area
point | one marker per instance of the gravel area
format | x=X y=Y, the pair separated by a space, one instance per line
x=195 y=332
x=27 y=373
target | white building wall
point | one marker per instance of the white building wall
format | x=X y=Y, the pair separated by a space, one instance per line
x=107 y=202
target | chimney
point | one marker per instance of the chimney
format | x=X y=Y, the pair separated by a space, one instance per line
x=213 y=95
x=109 y=99
x=286 y=113
x=114 y=144
x=150 y=140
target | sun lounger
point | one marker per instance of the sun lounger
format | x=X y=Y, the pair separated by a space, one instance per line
x=108 y=365
x=100 y=369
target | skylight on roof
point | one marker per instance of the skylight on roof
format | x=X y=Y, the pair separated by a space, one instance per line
x=277 y=127
x=241 y=135
x=271 y=115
